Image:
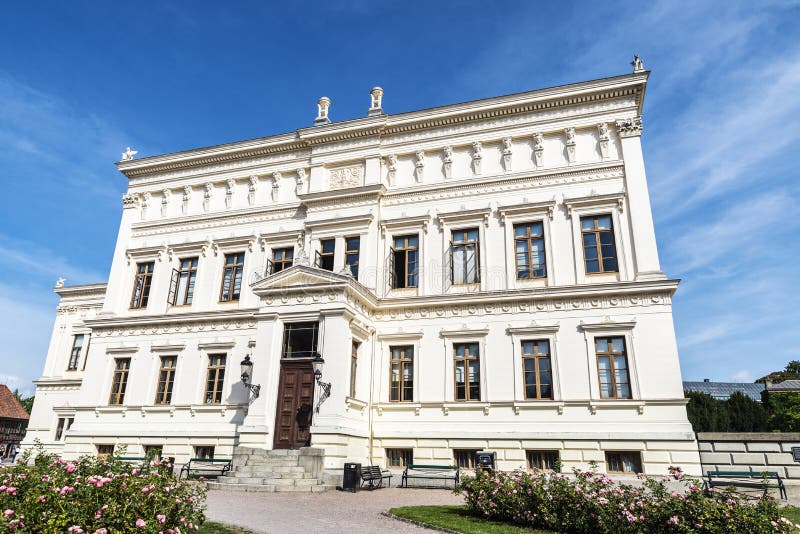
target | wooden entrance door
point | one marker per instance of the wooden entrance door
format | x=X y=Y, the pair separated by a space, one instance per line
x=295 y=405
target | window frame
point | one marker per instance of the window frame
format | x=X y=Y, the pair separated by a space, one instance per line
x=348 y=252
x=76 y=351
x=285 y=262
x=402 y=363
x=537 y=357
x=197 y=449
x=323 y=256
x=613 y=204
x=191 y=280
x=291 y=325
x=622 y=454
x=165 y=375
x=598 y=245
x=611 y=354
x=611 y=328
x=355 y=346
x=471 y=457
x=467 y=359
x=217 y=383
x=528 y=239
x=464 y=231
x=119 y=382
x=405 y=249
x=400 y=453
x=139 y=300
x=540 y=454
x=236 y=270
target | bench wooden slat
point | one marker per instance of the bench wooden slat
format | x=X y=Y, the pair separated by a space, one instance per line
x=430 y=472
x=205 y=465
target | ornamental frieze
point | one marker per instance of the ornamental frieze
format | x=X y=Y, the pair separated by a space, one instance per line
x=173 y=328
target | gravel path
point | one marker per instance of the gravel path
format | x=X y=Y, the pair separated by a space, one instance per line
x=332 y=511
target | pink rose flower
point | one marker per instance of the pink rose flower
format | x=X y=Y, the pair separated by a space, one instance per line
x=140 y=523
x=161 y=518
x=8 y=513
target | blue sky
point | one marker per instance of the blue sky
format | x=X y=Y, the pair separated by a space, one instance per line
x=79 y=81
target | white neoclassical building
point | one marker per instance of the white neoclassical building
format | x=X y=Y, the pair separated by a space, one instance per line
x=481 y=275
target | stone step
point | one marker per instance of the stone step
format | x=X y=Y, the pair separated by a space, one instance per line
x=277 y=463
x=266 y=473
x=304 y=489
x=259 y=488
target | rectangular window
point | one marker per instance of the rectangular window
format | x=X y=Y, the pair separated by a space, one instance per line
x=612 y=368
x=467 y=371
x=405 y=257
x=166 y=378
x=120 y=380
x=204 y=452
x=141 y=284
x=542 y=460
x=538 y=377
x=105 y=450
x=624 y=462
x=327 y=251
x=64 y=424
x=465 y=458
x=232 y=277
x=181 y=287
x=599 y=251
x=353 y=369
x=282 y=258
x=153 y=452
x=464 y=261
x=300 y=340
x=401 y=374
x=75 y=353
x=399 y=457
x=529 y=250
x=352 y=250
x=215 y=378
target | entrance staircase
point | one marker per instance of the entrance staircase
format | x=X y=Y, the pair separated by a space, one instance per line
x=279 y=470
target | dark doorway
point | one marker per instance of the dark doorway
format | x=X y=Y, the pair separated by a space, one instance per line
x=295 y=405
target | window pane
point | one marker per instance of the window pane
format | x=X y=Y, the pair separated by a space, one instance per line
x=520 y=230
x=609 y=264
x=587 y=223
x=530 y=364
x=544 y=347
x=460 y=350
x=601 y=344
x=618 y=344
x=591 y=253
x=604 y=365
x=472 y=235
x=527 y=347
x=547 y=391
x=530 y=391
x=328 y=245
x=623 y=391
x=604 y=221
x=592 y=266
x=620 y=362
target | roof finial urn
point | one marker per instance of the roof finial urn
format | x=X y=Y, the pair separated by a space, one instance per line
x=322 y=110
x=637 y=63
x=377 y=97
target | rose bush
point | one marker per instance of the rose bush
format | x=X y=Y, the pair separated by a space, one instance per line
x=96 y=496
x=592 y=502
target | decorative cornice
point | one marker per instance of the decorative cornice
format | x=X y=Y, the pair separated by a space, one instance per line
x=595 y=200
x=216 y=220
x=479 y=110
x=526 y=209
x=82 y=291
x=480 y=214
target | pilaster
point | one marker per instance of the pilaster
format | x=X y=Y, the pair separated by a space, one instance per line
x=645 y=250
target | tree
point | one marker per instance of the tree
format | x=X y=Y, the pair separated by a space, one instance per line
x=706 y=413
x=746 y=414
x=27 y=402
x=784 y=408
x=791 y=372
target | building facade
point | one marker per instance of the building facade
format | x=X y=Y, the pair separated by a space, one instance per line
x=477 y=276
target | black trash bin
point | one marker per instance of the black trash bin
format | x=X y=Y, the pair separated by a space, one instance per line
x=352 y=477
x=485 y=460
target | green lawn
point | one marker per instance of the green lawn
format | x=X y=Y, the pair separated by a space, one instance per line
x=456 y=518
x=218 y=528
x=791 y=512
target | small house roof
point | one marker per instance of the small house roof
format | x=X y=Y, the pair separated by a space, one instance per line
x=10 y=407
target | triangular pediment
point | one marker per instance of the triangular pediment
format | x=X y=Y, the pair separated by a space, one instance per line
x=301 y=277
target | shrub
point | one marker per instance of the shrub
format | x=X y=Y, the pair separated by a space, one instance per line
x=96 y=495
x=592 y=502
